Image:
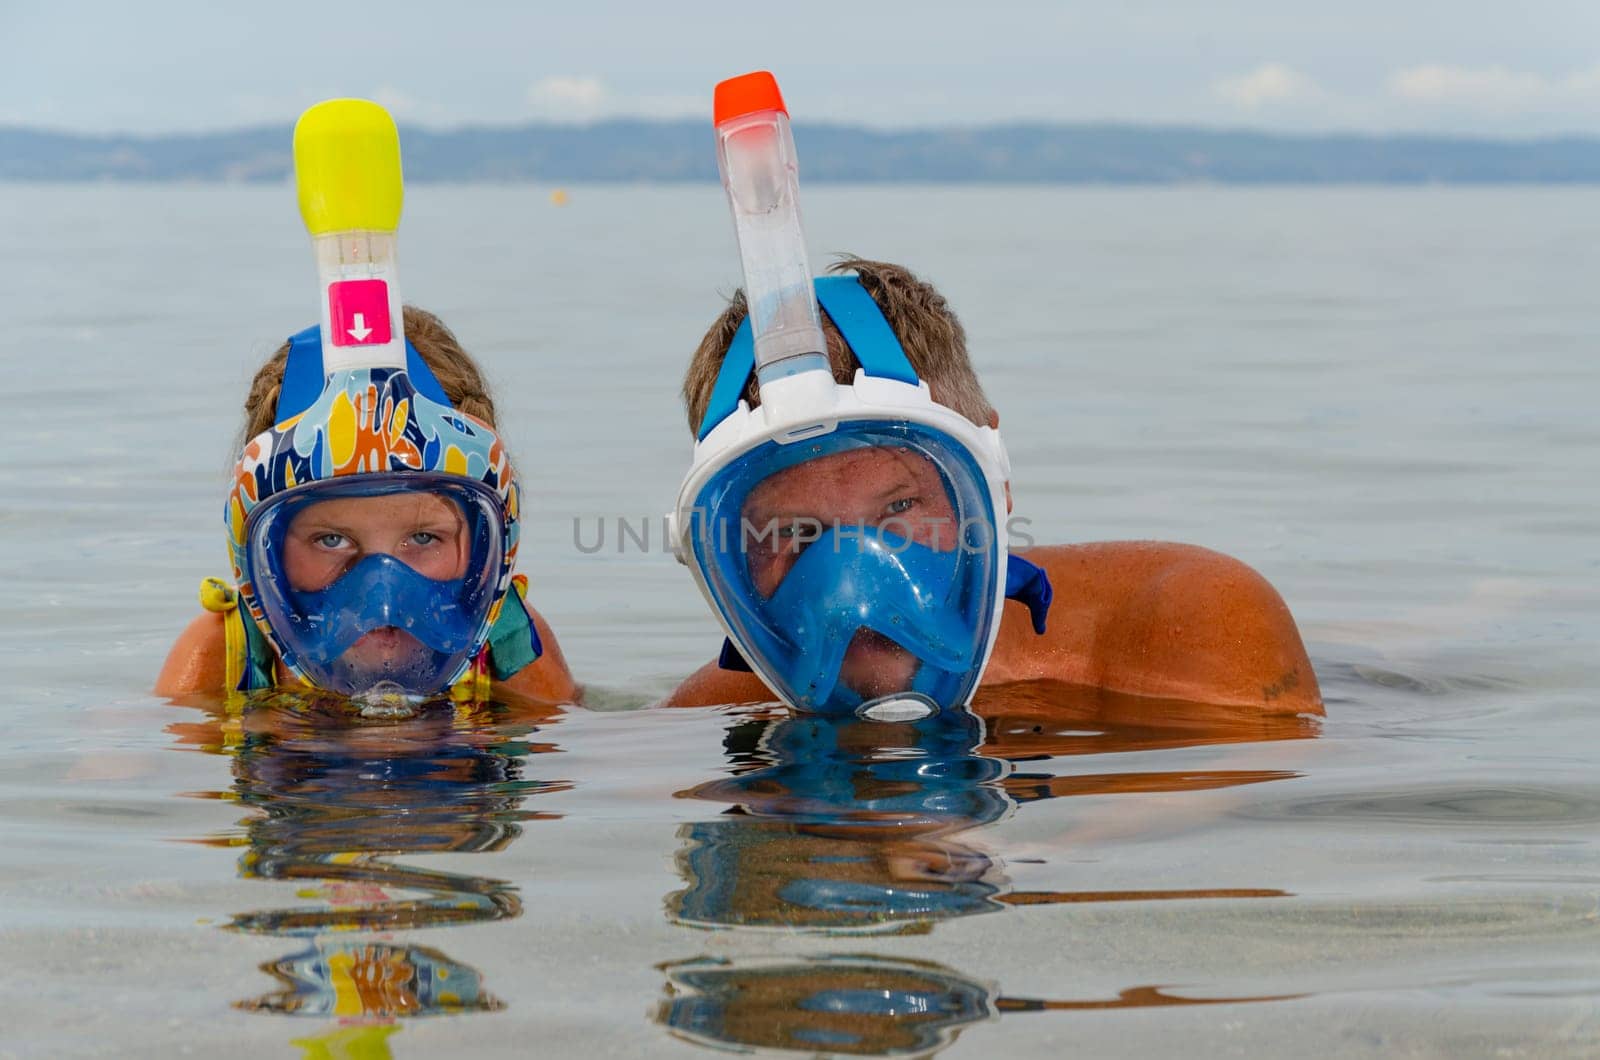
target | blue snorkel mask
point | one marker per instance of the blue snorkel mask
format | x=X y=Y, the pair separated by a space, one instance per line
x=847 y=536
x=852 y=553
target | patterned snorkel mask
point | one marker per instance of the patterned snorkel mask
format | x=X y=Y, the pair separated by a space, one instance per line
x=373 y=528
x=344 y=613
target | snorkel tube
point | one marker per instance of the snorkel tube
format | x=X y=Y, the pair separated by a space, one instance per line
x=347 y=175
x=760 y=173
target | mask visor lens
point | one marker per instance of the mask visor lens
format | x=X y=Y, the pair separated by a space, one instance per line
x=382 y=578
x=855 y=566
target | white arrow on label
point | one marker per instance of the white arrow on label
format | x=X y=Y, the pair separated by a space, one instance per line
x=360 y=331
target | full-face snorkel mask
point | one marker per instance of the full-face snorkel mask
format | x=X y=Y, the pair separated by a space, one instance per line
x=847 y=536
x=373 y=528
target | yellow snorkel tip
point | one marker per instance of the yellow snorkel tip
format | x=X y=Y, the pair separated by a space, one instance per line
x=347 y=168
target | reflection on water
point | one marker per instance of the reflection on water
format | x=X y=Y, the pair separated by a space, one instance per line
x=372 y=979
x=857 y=1005
x=850 y=826
x=862 y=1006
x=1043 y=719
x=334 y=797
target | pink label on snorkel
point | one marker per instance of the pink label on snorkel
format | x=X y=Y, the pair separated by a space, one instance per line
x=358 y=311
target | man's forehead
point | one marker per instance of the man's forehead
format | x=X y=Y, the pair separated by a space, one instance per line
x=848 y=471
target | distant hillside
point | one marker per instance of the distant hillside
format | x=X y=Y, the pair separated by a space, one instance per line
x=682 y=151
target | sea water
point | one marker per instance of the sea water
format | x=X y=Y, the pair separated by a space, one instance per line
x=1382 y=399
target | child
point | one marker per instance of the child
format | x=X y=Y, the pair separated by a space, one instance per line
x=373 y=519
x=1149 y=618
x=221 y=649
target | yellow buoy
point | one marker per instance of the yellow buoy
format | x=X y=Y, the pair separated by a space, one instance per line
x=558 y=197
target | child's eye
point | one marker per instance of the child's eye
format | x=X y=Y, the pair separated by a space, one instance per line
x=423 y=538
x=901 y=506
x=330 y=541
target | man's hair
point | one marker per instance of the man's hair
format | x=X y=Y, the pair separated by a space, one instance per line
x=456 y=371
x=933 y=339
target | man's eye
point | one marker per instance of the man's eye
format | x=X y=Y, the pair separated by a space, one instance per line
x=798 y=529
x=901 y=506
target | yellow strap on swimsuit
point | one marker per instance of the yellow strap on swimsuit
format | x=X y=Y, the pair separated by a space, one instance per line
x=220 y=598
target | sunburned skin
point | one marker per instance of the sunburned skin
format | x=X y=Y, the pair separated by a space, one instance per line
x=895 y=489
x=424 y=531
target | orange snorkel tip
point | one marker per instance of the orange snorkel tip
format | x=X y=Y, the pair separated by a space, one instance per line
x=746 y=94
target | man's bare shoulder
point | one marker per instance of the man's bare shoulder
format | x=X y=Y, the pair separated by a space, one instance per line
x=1161 y=619
x=1150 y=618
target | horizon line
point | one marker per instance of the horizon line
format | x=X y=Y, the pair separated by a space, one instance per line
x=887 y=130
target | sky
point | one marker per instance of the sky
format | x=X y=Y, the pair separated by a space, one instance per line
x=1487 y=67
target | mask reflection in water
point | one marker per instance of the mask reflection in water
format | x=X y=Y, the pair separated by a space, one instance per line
x=343 y=980
x=847 y=826
x=862 y=1006
x=337 y=796
x=850 y=827
x=859 y=1005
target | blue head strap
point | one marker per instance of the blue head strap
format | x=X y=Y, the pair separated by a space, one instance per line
x=303 y=377
x=855 y=316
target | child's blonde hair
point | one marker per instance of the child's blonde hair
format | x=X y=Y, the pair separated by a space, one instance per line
x=457 y=372
x=933 y=339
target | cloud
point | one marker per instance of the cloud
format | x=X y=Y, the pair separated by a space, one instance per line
x=408 y=108
x=1267 y=84
x=564 y=97
x=1493 y=88
x=394 y=100
x=567 y=97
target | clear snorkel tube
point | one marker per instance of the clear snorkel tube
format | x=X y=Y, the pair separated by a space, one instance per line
x=347 y=173
x=755 y=153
